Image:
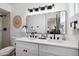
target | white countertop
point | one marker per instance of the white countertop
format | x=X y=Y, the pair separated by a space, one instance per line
x=69 y=44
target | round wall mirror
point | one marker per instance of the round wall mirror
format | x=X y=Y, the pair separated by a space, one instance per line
x=17 y=21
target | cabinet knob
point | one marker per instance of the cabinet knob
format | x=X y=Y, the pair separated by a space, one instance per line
x=25 y=50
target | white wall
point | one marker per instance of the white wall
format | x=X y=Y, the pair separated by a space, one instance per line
x=71 y=33
x=77 y=8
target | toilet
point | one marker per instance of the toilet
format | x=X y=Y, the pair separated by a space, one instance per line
x=7 y=51
x=10 y=50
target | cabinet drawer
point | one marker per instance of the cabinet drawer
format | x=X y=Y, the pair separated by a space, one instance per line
x=25 y=44
x=26 y=49
x=23 y=51
x=57 y=51
x=20 y=51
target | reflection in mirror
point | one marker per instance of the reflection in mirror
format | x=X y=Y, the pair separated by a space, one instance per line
x=63 y=22
x=50 y=23
x=56 y=22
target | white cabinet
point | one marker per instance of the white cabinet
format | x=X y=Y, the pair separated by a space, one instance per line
x=26 y=49
x=31 y=49
x=45 y=50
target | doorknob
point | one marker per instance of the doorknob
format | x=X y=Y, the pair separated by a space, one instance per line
x=5 y=29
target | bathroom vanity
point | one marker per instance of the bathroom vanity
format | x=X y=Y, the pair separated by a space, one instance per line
x=46 y=24
x=36 y=47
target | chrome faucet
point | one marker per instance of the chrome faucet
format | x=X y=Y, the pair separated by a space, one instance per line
x=32 y=35
x=54 y=33
x=54 y=36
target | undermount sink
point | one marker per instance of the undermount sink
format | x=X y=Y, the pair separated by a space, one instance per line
x=46 y=39
x=54 y=40
x=32 y=39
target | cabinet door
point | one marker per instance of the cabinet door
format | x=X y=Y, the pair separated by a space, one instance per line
x=56 y=51
x=26 y=49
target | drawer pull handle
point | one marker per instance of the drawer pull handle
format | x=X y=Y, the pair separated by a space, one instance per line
x=25 y=50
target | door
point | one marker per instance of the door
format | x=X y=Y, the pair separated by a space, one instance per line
x=0 y=32
x=4 y=31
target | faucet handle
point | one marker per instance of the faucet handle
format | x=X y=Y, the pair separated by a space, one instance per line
x=57 y=38
x=54 y=37
x=50 y=37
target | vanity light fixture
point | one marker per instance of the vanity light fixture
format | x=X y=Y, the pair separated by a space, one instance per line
x=36 y=9
x=30 y=10
x=42 y=8
x=50 y=6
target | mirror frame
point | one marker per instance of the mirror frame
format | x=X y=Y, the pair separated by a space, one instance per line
x=45 y=21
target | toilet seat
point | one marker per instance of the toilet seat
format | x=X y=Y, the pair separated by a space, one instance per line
x=6 y=51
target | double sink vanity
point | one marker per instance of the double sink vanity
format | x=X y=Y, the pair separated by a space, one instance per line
x=28 y=46
x=53 y=43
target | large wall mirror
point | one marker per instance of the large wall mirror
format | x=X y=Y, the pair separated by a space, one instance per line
x=51 y=23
